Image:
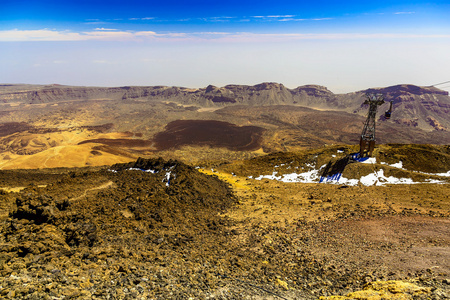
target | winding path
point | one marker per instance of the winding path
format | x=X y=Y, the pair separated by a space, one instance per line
x=100 y=187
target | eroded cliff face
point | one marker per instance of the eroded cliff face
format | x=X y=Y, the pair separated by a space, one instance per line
x=424 y=107
x=262 y=94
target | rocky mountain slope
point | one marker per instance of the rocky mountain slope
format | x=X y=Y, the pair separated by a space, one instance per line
x=423 y=107
x=161 y=229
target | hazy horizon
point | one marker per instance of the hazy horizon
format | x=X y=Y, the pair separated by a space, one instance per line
x=347 y=46
x=200 y=87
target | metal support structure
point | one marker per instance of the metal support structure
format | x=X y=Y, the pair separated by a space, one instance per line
x=367 y=142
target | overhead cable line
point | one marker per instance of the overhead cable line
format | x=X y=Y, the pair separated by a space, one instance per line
x=440 y=83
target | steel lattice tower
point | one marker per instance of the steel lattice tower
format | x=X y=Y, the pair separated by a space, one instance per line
x=367 y=142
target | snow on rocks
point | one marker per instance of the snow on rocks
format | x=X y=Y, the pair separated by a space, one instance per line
x=143 y=170
x=443 y=174
x=377 y=178
x=167 y=177
x=398 y=165
x=311 y=176
x=369 y=160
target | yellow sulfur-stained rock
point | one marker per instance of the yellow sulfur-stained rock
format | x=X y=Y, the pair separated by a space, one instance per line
x=384 y=290
x=395 y=287
x=282 y=283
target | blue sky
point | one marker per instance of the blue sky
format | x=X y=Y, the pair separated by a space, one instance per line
x=344 y=45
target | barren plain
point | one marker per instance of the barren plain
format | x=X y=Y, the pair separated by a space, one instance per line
x=174 y=193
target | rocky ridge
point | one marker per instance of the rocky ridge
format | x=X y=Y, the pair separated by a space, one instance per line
x=412 y=104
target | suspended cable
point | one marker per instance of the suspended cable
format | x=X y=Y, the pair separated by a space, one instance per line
x=440 y=83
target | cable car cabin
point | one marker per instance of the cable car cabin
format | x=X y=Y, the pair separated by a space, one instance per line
x=387 y=115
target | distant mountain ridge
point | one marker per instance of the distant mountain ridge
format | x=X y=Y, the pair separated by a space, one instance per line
x=424 y=107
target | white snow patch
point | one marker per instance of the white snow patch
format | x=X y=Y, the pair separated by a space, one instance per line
x=168 y=178
x=398 y=165
x=436 y=174
x=376 y=178
x=443 y=174
x=434 y=181
x=346 y=181
x=340 y=151
x=370 y=160
x=311 y=176
x=142 y=170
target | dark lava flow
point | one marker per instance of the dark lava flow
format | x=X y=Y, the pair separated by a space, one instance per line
x=208 y=132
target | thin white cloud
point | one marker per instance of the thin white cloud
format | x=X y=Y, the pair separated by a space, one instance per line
x=116 y=35
x=105 y=29
x=106 y=35
x=300 y=20
x=273 y=17
x=96 y=23
x=287 y=18
x=223 y=17
x=38 y=35
x=141 y=19
x=211 y=33
x=280 y=16
x=404 y=12
x=145 y=34
x=217 y=19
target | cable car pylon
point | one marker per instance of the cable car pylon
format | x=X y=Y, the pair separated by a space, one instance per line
x=367 y=141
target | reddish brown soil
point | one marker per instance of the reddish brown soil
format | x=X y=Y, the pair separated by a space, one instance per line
x=395 y=245
x=100 y=128
x=13 y=127
x=208 y=132
x=120 y=142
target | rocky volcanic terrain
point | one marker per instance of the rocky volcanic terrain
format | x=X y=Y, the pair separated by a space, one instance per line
x=161 y=229
x=214 y=193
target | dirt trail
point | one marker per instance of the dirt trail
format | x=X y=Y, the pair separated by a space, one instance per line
x=100 y=187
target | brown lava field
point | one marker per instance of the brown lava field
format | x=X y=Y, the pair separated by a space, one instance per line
x=173 y=232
